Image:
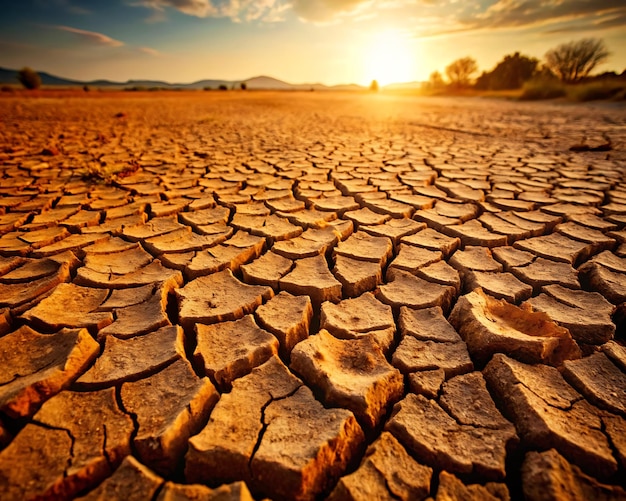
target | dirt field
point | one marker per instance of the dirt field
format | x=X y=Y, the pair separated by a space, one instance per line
x=237 y=295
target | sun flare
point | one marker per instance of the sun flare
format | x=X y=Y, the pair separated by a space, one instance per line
x=390 y=59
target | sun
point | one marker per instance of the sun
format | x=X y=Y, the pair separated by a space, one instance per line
x=389 y=59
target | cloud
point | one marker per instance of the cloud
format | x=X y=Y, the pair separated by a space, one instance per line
x=149 y=51
x=92 y=37
x=592 y=14
x=237 y=10
x=264 y=10
x=326 y=10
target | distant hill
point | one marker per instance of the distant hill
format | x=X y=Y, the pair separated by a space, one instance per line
x=8 y=76
x=404 y=86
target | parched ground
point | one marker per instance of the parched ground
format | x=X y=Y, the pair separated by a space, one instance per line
x=307 y=296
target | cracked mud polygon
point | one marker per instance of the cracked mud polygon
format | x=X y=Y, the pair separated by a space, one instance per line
x=310 y=296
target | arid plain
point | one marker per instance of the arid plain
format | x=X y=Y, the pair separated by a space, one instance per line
x=310 y=295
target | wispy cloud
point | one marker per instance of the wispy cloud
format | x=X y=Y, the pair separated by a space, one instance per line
x=327 y=10
x=318 y=11
x=149 y=51
x=92 y=37
x=554 y=15
x=237 y=10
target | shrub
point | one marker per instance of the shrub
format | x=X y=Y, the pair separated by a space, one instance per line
x=243 y=85
x=597 y=90
x=223 y=87
x=29 y=78
x=542 y=89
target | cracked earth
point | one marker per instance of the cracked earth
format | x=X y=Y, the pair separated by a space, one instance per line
x=311 y=296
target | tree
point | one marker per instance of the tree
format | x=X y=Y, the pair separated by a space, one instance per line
x=575 y=60
x=29 y=78
x=460 y=71
x=435 y=80
x=510 y=73
x=243 y=85
x=374 y=86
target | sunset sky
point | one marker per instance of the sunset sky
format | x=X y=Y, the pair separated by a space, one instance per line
x=327 y=41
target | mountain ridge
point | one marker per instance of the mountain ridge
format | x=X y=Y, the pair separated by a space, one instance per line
x=261 y=82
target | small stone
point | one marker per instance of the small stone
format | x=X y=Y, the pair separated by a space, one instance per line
x=288 y=318
x=489 y=326
x=26 y=381
x=386 y=472
x=548 y=476
x=230 y=350
x=312 y=277
x=170 y=406
x=217 y=298
x=130 y=359
x=352 y=374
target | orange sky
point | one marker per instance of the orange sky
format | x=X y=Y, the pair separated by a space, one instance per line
x=328 y=41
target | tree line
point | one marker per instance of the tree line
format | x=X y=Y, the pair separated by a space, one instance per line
x=569 y=62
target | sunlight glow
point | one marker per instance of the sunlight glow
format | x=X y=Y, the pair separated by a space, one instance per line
x=389 y=59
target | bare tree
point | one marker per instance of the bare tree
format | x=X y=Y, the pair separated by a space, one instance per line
x=575 y=60
x=460 y=71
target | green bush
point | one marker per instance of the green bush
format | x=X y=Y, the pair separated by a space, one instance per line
x=29 y=78
x=542 y=89
x=597 y=90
